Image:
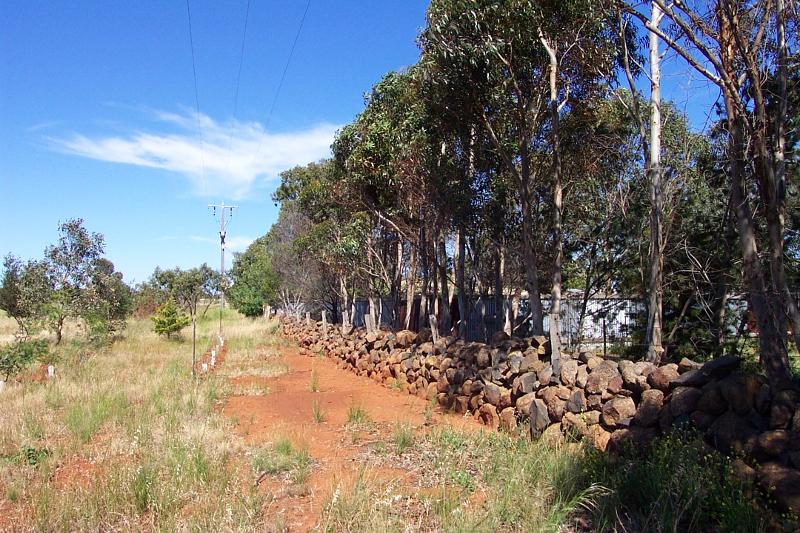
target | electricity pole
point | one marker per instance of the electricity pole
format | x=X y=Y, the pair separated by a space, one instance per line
x=222 y=231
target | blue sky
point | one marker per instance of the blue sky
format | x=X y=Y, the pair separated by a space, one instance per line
x=97 y=114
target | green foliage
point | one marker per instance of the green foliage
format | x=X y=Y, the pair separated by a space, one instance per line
x=168 y=319
x=677 y=484
x=16 y=356
x=255 y=283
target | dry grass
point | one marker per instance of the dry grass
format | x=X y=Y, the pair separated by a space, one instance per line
x=124 y=439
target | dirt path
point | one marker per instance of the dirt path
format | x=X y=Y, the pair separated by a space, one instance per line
x=339 y=453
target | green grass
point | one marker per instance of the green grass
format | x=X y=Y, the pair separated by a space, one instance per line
x=403 y=437
x=319 y=414
x=148 y=442
x=357 y=416
x=283 y=457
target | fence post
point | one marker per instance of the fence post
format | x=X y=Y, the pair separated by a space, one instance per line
x=308 y=318
x=345 y=321
x=324 y=322
x=434 y=328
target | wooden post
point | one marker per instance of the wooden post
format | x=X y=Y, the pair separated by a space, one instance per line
x=308 y=318
x=324 y=322
x=434 y=328
x=345 y=321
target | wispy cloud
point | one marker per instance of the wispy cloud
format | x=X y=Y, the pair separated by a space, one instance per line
x=226 y=159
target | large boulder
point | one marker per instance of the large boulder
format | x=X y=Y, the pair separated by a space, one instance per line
x=683 y=401
x=731 y=433
x=601 y=376
x=616 y=410
x=569 y=371
x=523 y=404
x=783 y=483
x=576 y=402
x=661 y=377
x=649 y=409
x=539 y=418
x=404 y=339
x=487 y=414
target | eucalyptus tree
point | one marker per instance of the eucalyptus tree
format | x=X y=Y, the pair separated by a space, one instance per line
x=515 y=67
x=747 y=49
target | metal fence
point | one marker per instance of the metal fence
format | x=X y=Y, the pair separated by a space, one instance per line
x=603 y=322
x=609 y=319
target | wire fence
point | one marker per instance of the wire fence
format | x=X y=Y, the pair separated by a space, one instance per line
x=593 y=324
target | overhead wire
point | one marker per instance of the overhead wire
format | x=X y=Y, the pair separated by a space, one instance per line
x=236 y=90
x=283 y=76
x=286 y=66
x=196 y=98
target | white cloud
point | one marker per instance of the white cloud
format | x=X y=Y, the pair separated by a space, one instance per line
x=228 y=160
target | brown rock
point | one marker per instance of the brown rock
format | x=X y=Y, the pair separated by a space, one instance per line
x=576 y=402
x=569 y=371
x=528 y=383
x=544 y=374
x=661 y=377
x=594 y=401
x=683 y=401
x=702 y=421
x=600 y=377
x=523 y=404
x=628 y=371
x=555 y=405
x=508 y=419
x=617 y=409
x=405 y=338
x=711 y=401
x=783 y=483
x=773 y=442
x=487 y=414
x=731 y=433
x=649 y=408
x=598 y=437
x=686 y=364
x=461 y=404
x=539 y=418
x=582 y=376
x=593 y=361
x=553 y=435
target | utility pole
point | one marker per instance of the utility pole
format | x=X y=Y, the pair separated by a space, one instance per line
x=222 y=232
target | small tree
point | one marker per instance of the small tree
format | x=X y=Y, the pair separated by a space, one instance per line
x=168 y=319
x=16 y=356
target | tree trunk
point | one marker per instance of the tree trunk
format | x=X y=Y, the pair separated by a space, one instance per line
x=410 y=281
x=499 y=267
x=654 y=288
x=463 y=313
x=444 y=292
x=555 y=294
x=531 y=269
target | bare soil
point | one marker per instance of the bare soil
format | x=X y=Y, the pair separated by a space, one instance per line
x=339 y=454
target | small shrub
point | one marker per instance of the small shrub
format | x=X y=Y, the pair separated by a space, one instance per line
x=314 y=385
x=14 y=357
x=168 y=319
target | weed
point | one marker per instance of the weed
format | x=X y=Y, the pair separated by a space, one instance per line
x=403 y=437
x=319 y=414
x=357 y=416
x=314 y=385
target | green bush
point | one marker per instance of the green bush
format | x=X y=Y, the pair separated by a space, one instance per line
x=168 y=319
x=14 y=357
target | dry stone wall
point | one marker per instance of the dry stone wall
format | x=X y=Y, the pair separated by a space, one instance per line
x=511 y=382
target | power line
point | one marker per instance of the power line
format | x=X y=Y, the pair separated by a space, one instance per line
x=236 y=90
x=223 y=231
x=196 y=97
x=286 y=66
